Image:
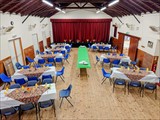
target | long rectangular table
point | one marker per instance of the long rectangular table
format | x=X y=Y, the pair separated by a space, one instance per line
x=131 y=74
x=83 y=60
x=7 y=100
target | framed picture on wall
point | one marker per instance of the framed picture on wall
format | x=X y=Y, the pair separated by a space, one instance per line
x=150 y=44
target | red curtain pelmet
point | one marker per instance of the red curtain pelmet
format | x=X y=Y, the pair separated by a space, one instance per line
x=79 y=30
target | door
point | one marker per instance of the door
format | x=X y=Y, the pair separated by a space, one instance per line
x=35 y=42
x=15 y=48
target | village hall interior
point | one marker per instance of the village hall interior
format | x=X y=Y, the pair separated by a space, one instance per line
x=79 y=59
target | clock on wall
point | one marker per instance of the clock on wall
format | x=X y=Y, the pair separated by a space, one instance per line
x=12 y=23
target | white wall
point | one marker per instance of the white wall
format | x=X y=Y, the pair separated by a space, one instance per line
x=80 y=14
x=21 y=30
x=142 y=30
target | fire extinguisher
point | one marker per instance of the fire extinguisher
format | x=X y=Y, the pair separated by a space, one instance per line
x=154 y=67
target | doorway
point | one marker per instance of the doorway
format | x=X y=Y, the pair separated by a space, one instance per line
x=126 y=45
x=35 y=42
x=16 y=51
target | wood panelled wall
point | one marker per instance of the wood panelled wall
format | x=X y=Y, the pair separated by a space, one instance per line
x=133 y=44
x=41 y=48
x=29 y=51
x=146 y=60
x=48 y=41
x=1 y=67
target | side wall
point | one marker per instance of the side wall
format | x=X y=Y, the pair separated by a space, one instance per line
x=21 y=30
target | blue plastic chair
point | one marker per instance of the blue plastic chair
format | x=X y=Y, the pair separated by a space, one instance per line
x=26 y=67
x=13 y=86
x=100 y=48
x=51 y=60
x=141 y=68
x=97 y=59
x=56 y=51
x=150 y=86
x=27 y=107
x=47 y=80
x=7 y=112
x=20 y=81
x=37 y=52
x=33 y=78
x=30 y=60
x=46 y=76
x=48 y=65
x=31 y=83
x=66 y=57
x=121 y=54
x=60 y=74
x=48 y=52
x=106 y=61
x=37 y=66
x=136 y=84
x=41 y=53
x=94 y=48
x=46 y=104
x=125 y=64
x=115 y=62
x=65 y=93
x=63 y=52
x=89 y=46
x=106 y=76
x=5 y=78
x=18 y=65
x=59 y=60
x=120 y=82
x=41 y=61
x=106 y=48
x=134 y=62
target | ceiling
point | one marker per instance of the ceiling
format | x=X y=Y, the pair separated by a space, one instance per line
x=38 y=8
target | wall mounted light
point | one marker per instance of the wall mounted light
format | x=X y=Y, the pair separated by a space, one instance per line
x=102 y=9
x=48 y=3
x=113 y=3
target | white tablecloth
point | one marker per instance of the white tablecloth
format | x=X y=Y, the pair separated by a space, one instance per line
x=51 y=71
x=6 y=102
x=148 y=78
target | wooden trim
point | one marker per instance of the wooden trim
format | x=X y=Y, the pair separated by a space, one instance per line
x=48 y=41
x=15 y=50
x=20 y=40
x=2 y=69
x=129 y=35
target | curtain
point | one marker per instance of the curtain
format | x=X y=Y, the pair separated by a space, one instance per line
x=79 y=30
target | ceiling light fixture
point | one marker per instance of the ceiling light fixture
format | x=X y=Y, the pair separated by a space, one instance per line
x=48 y=3
x=114 y=2
x=59 y=9
x=103 y=8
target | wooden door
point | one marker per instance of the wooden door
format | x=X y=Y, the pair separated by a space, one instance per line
x=133 y=48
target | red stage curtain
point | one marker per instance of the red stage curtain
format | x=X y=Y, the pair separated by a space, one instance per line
x=81 y=29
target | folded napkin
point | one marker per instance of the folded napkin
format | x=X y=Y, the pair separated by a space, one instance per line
x=83 y=63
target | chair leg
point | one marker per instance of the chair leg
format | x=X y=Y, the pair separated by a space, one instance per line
x=67 y=61
x=113 y=87
x=69 y=101
x=61 y=103
x=128 y=88
x=56 y=79
x=53 y=102
x=96 y=63
x=62 y=78
x=110 y=80
x=156 y=93
x=36 y=111
x=103 y=80
x=125 y=88
x=39 y=111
